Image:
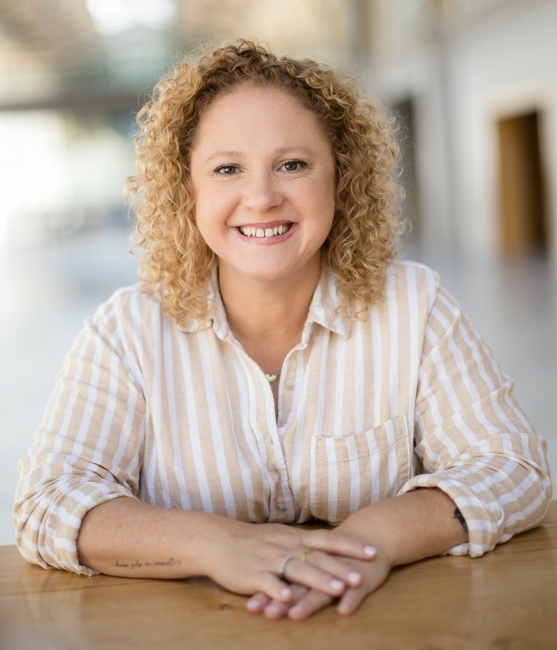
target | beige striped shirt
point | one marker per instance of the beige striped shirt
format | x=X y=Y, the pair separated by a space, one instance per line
x=367 y=409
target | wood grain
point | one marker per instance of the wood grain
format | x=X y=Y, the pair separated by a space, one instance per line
x=506 y=600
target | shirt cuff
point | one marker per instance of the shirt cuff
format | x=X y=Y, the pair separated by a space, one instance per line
x=484 y=522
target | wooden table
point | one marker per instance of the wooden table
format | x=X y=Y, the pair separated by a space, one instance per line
x=506 y=600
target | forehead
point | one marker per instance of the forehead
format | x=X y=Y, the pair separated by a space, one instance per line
x=254 y=105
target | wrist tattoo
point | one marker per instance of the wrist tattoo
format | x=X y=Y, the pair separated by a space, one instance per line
x=138 y=564
x=459 y=517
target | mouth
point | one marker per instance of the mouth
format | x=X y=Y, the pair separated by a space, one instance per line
x=265 y=233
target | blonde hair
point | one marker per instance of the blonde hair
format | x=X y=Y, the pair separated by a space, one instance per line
x=174 y=260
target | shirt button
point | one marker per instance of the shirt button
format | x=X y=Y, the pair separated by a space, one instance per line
x=290 y=385
x=281 y=507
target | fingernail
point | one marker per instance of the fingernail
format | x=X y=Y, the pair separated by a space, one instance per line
x=370 y=551
x=337 y=585
x=354 y=578
x=275 y=609
x=252 y=605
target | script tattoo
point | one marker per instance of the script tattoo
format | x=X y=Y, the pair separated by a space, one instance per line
x=138 y=564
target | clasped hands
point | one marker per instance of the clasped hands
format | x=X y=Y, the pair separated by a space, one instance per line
x=294 y=572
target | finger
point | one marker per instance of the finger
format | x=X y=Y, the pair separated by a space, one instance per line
x=304 y=573
x=376 y=574
x=309 y=604
x=351 y=600
x=275 y=588
x=337 y=543
x=257 y=603
x=337 y=567
x=275 y=609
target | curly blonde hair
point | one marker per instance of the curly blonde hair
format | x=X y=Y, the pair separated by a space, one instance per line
x=174 y=260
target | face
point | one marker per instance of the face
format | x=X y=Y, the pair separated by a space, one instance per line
x=263 y=174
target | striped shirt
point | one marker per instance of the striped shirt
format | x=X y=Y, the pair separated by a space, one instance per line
x=368 y=408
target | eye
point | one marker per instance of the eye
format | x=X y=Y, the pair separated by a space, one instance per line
x=227 y=170
x=293 y=165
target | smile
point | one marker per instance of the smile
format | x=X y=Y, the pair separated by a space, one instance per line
x=248 y=231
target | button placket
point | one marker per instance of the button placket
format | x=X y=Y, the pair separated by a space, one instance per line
x=268 y=429
x=284 y=506
x=265 y=427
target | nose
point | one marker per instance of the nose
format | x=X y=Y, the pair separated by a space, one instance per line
x=261 y=194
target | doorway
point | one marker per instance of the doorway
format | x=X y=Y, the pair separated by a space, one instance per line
x=523 y=217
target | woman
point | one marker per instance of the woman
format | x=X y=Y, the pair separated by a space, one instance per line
x=276 y=365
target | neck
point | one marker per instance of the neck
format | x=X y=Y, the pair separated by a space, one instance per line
x=253 y=312
x=267 y=318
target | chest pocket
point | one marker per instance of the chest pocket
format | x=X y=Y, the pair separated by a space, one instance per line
x=350 y=473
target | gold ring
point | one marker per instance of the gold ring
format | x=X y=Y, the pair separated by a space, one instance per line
x=284 y=564
x=305 y=554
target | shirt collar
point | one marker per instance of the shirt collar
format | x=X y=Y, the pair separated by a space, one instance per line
x=324 y=310
x=326 y=307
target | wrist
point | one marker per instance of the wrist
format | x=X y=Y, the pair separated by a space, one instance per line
x=409 y=527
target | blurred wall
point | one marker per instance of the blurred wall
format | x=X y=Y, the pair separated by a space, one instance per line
x=465 y=67
x=61 y=172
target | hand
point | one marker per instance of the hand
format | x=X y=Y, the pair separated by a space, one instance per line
x=306 y=601
x=397 y=529
x=248 y=559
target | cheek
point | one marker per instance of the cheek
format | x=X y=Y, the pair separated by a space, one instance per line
x=205 y=206
x=213 y=197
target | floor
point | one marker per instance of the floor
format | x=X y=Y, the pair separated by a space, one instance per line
x=48 y=289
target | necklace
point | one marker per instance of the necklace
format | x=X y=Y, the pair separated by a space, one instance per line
x=271 y=377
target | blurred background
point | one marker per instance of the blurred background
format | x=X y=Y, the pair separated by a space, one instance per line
x=472 y=82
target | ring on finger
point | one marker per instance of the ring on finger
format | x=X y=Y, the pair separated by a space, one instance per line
x=284 y=565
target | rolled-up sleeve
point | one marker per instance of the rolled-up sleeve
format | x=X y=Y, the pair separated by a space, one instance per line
x=88 y=447
x=472 y=439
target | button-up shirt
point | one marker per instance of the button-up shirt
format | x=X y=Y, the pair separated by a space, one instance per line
x=369 y=406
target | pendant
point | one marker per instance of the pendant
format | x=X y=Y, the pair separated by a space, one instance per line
x=270 y=377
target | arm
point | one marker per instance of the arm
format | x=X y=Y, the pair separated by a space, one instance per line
x=87 y=449
x=125 y=537
x=472 y=439
x=410 y=527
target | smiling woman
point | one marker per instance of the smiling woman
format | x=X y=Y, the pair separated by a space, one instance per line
x=263 y=175
x=275 y=366
x=364 y=235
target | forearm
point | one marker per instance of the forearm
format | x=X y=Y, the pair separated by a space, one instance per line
x=409 y=527
x=125 y=537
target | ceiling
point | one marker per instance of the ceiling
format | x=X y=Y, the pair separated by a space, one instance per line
x=88 y=52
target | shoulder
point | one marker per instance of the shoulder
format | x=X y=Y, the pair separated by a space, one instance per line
x=130 y=309
x=130 y=300
x=408 y=269
x=407 y=279
x=139 y=311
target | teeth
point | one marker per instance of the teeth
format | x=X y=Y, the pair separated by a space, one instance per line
x=268 y=232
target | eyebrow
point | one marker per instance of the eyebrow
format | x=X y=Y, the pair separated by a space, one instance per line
x=281 y=151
